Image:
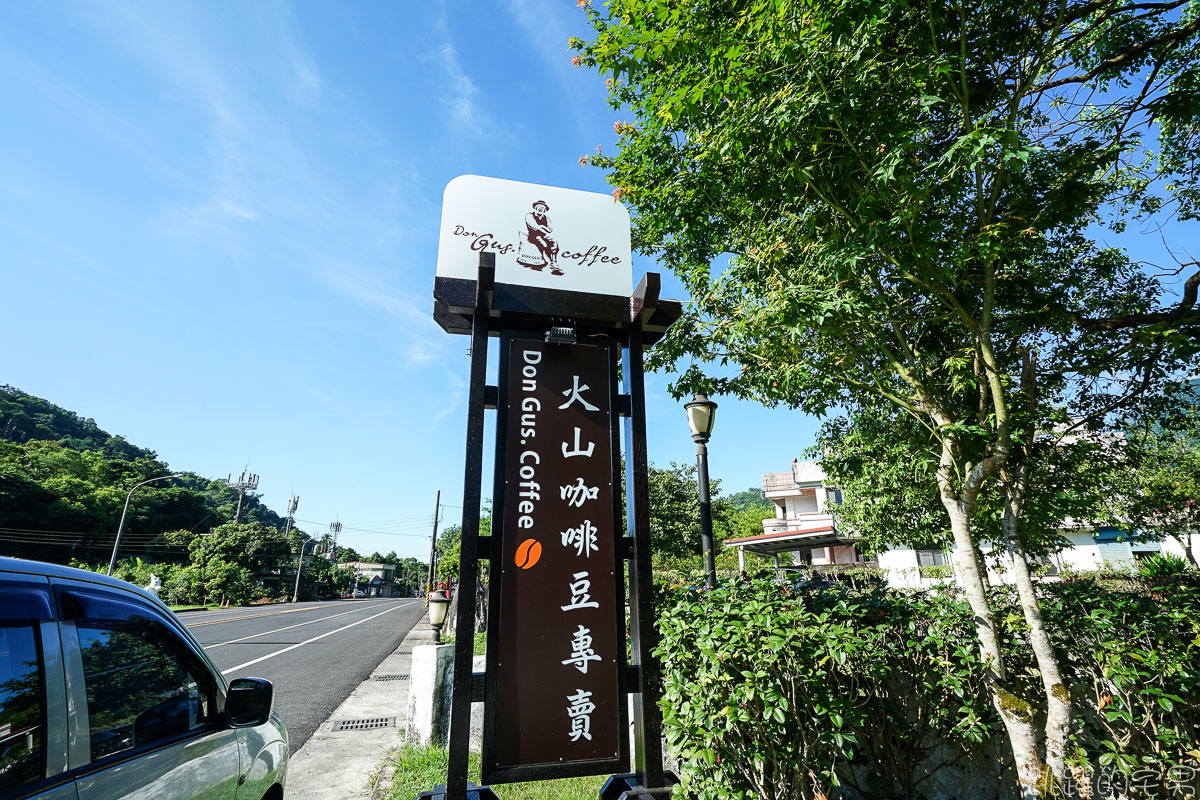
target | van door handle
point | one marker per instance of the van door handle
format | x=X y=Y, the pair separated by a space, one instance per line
x=241 y=780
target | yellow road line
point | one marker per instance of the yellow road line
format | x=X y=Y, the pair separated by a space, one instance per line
x=248 y=616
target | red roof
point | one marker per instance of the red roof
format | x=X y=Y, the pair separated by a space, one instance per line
x=766 y=537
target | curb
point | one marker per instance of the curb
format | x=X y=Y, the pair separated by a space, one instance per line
x=350 y=765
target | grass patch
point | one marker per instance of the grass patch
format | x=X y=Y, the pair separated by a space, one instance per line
x=188 y=608
x=419 y=769
x=480 y=643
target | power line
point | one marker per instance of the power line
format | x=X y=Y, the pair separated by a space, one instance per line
x=397 y=519
x=367 y=530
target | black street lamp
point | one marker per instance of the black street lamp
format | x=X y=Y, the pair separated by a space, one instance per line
x=701 y=414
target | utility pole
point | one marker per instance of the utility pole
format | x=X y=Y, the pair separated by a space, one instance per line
x=241 y=484
x=293 y=504
x=437 y=505
x=334 y=529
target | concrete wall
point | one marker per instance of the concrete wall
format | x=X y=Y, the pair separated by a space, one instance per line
x=903 y=569
x=429 y=691
x=1174 y=546
x=843 y=555
x=1083 y=555
x=900 y=566
x=807 y=472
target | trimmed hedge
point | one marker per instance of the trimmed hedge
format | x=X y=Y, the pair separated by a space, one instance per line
x=778 y=693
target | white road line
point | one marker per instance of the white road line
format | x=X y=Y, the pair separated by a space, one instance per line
x=309 y=641
x=289 y=627
x=251 y=613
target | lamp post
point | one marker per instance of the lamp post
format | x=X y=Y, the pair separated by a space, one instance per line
x=701 y=414
x=296 y=591
x=112 y=562
x=439 y=604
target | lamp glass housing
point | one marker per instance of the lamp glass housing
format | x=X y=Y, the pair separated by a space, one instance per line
x=701 y=414
x=438 y=606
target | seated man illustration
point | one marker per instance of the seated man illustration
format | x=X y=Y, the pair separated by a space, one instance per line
x=537 y=247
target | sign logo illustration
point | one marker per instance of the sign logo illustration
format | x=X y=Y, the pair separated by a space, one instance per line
x=537 y=247
x=528 y=553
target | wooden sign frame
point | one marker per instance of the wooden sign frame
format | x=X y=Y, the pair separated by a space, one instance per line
x=484 y=310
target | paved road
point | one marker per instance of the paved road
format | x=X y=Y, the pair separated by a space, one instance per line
x=314 y=653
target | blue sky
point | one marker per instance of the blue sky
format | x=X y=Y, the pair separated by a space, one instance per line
x=218 y=234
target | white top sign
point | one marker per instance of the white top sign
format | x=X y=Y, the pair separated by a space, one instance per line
x=542 y=236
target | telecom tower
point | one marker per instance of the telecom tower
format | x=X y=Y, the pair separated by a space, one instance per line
x=334 y=529
x=242 y=484
x=293 y=504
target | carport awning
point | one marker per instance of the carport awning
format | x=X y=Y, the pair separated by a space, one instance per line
x=770 y=544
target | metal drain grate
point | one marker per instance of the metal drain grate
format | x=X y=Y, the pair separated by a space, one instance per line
x=391 y=677
x=364 y=724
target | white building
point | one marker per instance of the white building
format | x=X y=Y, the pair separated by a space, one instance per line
x=374 y=580
x=802 y=533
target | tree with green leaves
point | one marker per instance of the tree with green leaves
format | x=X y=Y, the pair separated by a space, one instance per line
x=323 y=579
x=675 y=515
x=1160 y=493
x=907 y=194
x=231 y=559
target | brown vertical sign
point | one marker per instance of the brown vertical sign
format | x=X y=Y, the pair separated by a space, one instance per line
x=556 y=706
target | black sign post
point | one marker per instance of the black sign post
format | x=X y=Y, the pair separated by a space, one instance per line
x=557 y=680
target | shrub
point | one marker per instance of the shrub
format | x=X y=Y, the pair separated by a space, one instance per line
x=774 y=693
x=1132 y=662
x=1161 y=565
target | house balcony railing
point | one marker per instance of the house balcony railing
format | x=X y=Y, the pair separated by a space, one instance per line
x=776 y=525
x=797 y=522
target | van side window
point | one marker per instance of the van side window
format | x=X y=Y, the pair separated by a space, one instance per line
x=22 y=709
x=140 y=689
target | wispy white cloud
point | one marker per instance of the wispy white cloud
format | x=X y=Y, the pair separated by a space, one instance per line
x=259 y=190
x=229 y=208
x=465 y=115
x=454 y=394
x=548 y=24
x=308 y=80
x=369 y=290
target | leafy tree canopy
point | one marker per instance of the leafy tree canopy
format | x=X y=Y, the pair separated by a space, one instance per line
x=907 y=196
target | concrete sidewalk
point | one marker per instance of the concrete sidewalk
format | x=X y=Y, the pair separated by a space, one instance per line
x=343 y=765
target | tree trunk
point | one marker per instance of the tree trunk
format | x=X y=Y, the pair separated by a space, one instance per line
x=1016 y=714
x=1188 y=540
x=1058 y=699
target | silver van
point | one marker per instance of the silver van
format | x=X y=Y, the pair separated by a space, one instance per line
x=104 y=694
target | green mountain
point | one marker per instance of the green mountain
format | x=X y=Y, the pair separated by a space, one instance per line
x=64 y=480
x=25 y=418
x=748 y=499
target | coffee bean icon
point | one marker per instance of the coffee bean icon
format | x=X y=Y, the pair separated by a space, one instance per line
x=528 y=553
